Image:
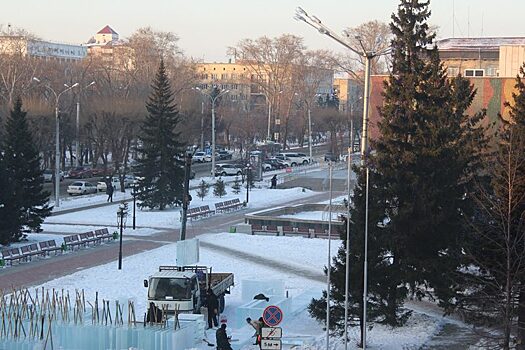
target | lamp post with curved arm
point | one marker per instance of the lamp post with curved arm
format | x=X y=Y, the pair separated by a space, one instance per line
x=368 y=55
x=57 y=135
x=213 y=98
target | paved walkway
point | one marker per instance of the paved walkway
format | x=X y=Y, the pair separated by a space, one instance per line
x=40 y=271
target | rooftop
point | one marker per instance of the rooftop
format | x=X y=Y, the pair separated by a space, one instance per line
x=453 y=44
x=107 y=30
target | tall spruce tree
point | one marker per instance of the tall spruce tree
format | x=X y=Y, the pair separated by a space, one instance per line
x=9 y=212
x=22 y=163
x=423 y=166
x=161 y=177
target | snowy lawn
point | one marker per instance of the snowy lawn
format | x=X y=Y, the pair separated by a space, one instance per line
x=311 y=215
x=72 y=202
x=170 y=218
x=37 y=237
x=113 y=284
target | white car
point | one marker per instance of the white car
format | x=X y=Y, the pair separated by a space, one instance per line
x=201 y=157
x=81 y=187
x=49 y=175
x=102 y=185
x=296 y=158
x=228 y=169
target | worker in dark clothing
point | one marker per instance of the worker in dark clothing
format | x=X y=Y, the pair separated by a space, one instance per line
x=213 y=308
x=154 y=314
x=274 y=181
x=109 y=191
x=222 y=339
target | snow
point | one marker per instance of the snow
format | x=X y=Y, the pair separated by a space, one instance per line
x=170 y=218
x=72 y=202
x=312 y=255
x=311 y=215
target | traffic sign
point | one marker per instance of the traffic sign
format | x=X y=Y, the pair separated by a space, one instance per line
x=272 y=332
x=272 y=316
x=270 y=344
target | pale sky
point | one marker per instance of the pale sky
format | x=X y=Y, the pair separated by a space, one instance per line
x=206 y=28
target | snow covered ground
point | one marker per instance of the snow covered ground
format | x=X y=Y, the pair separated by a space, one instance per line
x=170 y=218
x=311 y=215
x=305 y=253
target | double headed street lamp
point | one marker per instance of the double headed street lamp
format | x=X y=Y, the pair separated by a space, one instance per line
x=213 y=98
x=368 y=55
x=57 y=140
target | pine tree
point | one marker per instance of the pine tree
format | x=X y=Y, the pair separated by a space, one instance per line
x=22 y=161
x=161 y=176
x=219 y=189
x=236 y=186
x=10 y=215
x=423 y=165
x=203 y=189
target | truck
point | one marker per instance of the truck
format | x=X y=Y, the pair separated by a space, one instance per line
x=185 y=287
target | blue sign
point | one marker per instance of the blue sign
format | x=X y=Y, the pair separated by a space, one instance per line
x=272 y=316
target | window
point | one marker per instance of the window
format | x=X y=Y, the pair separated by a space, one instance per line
x=214 y=76
x=474 y=72
x=492 y=72
x=224 y=76
x=452 y=72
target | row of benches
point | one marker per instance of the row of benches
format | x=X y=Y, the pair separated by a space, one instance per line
x=25 y=253
x=28 y=251
x=84 y=239
x=291 y=231
x=205 y=211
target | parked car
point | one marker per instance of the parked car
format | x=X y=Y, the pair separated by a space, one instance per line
x=275 y=163
x=227 y=169
x=103 y=184
x=285 y=161
x=201 y=157
x=297 y=158
x=80 y=172
x=330 y=157
x=81 y=187
x=49 y=175
x=102 y=171
x=224 y=155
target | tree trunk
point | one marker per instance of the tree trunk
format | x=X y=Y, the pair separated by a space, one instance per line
x=520 y=338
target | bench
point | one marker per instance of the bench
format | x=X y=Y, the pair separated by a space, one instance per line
x=73 y=241
x=288 y=230
x=265 y=229
x=205 y=210
x=103 y=234
x=303 y=231
x=321 y=233
x=49 y=246
x=29 y=250
x=193 y=213
x=228 y=205
x=10 y=255
x=88 y=237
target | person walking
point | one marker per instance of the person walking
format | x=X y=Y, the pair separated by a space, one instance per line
x=109 y=191
x=222 y=339
x=274 y=181
x=213 y=308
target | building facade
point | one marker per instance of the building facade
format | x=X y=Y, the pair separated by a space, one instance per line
x=41 y=49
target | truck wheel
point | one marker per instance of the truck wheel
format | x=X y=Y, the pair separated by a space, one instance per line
x=221 y=304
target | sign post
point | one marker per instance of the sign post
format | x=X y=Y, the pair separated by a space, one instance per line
x=271 y=335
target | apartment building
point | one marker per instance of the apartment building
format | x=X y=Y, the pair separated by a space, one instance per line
x=41 y=49
x=482 y=57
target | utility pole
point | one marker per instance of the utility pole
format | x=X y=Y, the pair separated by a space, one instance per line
x=186 y=196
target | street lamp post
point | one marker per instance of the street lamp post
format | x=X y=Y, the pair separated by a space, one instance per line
x=213 y=98
x=122 y=213
x=77 y=142
x=134 y=194
x=57 y=137
x=368 y=55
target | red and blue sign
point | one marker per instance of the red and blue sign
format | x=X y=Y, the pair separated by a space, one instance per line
x=272 y=316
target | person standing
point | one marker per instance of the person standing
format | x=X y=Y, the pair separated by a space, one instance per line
x=257 y=325
x=109 y=191
x=222 y=339
x=274 y=181
x=213 y=308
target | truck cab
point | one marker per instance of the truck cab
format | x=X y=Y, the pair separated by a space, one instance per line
x=185 y=287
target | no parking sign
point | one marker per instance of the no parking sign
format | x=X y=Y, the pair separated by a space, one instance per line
x=272 y=316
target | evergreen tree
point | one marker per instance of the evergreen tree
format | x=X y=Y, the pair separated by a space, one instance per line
x=236 y=186
x=22 y=162
x=423 y=166
x=219 y=189
x=203 y=189
x=161 y=176
x=10 y=215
